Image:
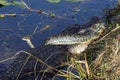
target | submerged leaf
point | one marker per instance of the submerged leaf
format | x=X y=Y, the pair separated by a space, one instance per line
x=74 y=0
x=18 y=3
x=4 y=3
x=57 y=1
x=54 y=1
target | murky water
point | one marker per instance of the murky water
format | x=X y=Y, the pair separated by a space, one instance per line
x=12 y=29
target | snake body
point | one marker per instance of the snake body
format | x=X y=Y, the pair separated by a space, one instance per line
x=78 y=41
x=82 y=38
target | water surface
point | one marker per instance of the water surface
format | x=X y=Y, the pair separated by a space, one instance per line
x=12 y=29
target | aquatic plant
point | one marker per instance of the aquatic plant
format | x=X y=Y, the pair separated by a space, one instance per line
x=8 y=3
x=4 y=15
x=54 y=1
x=58 y=1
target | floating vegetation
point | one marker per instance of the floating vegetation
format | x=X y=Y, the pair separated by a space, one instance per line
x=75 y=0
x=28 y=40
x=52 y=15
x=54 y=1
x=58 y=1
x=22 y=4
x=46 y=27
x=4 y=15
x=4 y=3
x=17 y=3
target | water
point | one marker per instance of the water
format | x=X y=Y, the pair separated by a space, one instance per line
x=12 y=29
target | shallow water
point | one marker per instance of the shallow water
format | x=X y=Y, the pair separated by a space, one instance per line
x=12 y=29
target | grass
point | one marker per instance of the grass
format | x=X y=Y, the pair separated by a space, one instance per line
x=100 y=61
x=107 y=63
x=104 y=64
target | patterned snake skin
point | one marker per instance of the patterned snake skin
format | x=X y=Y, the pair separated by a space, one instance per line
x=79 y=40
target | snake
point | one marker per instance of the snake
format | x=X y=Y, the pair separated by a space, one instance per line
x=79 y=40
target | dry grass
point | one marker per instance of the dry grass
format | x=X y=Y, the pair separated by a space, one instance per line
x=107 y=64
x=104 y=65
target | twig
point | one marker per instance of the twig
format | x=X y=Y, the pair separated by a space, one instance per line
x=39 y=60
x=35 y=30
x=117 y=47
x=38 y=11
x=35 y=72
x=87 y=67
x=12 y=57
x=25 y=5
x=22 y=67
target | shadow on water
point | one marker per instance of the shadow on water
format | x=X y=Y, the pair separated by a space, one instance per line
x=12 y=29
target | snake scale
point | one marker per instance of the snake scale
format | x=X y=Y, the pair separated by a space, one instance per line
x=78 y=41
